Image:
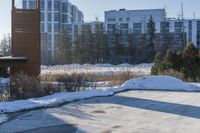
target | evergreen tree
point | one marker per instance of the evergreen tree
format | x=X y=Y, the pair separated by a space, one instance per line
x=118 y=47
x=165 y=37
x=190 y=62
x=171 y=60
x=151 y=39
x=131 y=49
x=99 y=41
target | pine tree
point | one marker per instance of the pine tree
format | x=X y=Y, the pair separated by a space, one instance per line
x=151 y=39
x=99 y=41
x=118 y=47
x=190 y=62
x=170 y=60
x=165 y=37
x=131 y=49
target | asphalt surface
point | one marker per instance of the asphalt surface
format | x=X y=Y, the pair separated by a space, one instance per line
x=127 y=112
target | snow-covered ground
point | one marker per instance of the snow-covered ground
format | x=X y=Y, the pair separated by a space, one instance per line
x=4 y=81
x=3 y=118
x=141 y=69
x=143 y=83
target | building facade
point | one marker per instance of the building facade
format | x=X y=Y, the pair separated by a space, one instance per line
x=182 y=31
x=56 y=16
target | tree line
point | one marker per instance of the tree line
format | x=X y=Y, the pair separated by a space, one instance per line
x=113 y=47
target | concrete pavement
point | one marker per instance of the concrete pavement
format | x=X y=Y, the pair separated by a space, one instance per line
x=127 y=112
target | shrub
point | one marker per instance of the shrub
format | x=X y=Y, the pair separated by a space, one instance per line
x=191 y=64
x=23 y=87
x=186 y=64
x=71 y=83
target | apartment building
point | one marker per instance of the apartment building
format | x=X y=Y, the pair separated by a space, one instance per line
x=56 y=16
x=135 y=21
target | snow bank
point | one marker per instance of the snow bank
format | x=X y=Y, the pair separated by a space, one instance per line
x=3 y=118
x=144 y=83
x=125 y=65
x=101 y=69
x=161 y=83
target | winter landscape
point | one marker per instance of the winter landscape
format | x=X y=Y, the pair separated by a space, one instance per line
x=104 y=104
x=73 y=66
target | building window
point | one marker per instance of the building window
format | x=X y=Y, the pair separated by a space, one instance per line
x=111 y=19
x=49 y=17
x=49 y=41
x=56 y=38
x=198 y=34
x=64 y=18
x=124 y=26
x=64 y=7
x=32 y=5
x=190 y=30
x=137 y=27
x=57 y=6
x=49 y=27
x=111 y=26
x=49 y=5
x=56 y=17
x=24 y=4
x=120 y=19
x=42 y=27
x=42 y=5
x=164 y=27
x=42 y=16
x=178 y=26
x=56 y=27
x=128 y=19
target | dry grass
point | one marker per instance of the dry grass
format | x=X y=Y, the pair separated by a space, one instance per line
x=4 y=94
x=117 y=79
x=24 y=87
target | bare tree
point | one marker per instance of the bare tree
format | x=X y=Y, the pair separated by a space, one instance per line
x=63 y=49
x=5 y=46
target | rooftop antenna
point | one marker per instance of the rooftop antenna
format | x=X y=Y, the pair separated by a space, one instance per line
x=194 y=15
x=96 y=18
x=165 y=17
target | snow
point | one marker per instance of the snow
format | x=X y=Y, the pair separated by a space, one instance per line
x=143 y=83
x=161 y=83
x=3 y=118
x=125 y=65
x=101 y=69
x=4 y=81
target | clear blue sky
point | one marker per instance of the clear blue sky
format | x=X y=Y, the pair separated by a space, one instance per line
x=93 y=8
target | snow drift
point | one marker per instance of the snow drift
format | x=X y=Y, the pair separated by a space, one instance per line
x=144 y=83
x=160 y=83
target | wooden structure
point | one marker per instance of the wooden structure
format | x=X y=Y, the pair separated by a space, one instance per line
x=25 y=40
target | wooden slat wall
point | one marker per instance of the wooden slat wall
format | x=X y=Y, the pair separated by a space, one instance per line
x=26 y=39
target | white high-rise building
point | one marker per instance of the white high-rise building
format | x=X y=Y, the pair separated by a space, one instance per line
x=191 y=27
x=135 y=21
x=56 y=16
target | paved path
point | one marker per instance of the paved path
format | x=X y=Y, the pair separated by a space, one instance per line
x=128 y=112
